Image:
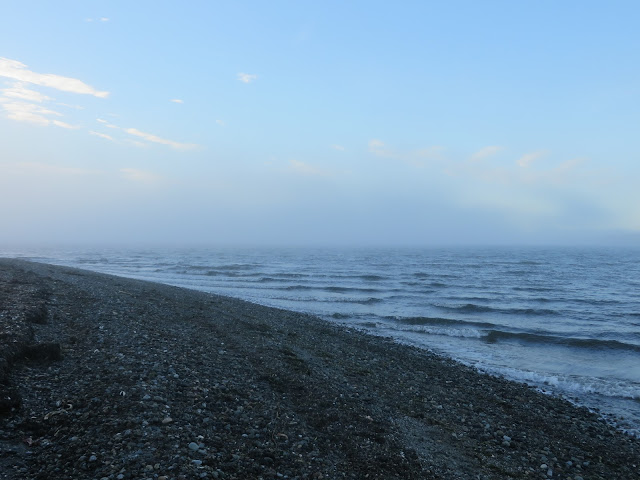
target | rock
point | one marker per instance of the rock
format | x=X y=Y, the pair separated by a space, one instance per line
x=37 y=315
x=43 y=352
x=193 y=446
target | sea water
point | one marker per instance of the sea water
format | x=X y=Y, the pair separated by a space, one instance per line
x=566 y=320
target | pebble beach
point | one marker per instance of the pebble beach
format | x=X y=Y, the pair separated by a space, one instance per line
x=111 y=378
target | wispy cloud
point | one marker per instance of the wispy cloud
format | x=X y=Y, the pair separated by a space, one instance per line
x=486 y=152
x=528 y=158
x=20 y=91
x=377 y=147
x=39 y=168
x=28 y=112
x=75 y=107
x=60 y=124
x=18 y=71
x=176 y=100
x=221 y=123
x=429 y=153
x=22 y=103
x=247 y=77
x=149 y=137
x=340 y=148
x=140 y=176
x=102 y=135
x=306 y=169
x=416 y=158
x=106 y=123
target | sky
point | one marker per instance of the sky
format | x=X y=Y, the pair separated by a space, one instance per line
x=319 y=123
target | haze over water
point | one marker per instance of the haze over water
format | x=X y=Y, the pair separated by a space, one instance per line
x=564 y=319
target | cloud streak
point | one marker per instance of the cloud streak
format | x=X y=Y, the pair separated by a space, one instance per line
x=140 y=176
x=28 y=112
x=486 y=152
x=19 y=91
x=306 y=169
x=149 y=137
x=102 y=135
x=528 y=158
x=416 y=158
x=18 y=71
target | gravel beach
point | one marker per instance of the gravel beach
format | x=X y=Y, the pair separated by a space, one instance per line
x=103 y=377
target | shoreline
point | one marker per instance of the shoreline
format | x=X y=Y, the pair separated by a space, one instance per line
x=123 y=378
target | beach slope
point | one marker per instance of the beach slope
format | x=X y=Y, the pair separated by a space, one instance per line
x=107 y=377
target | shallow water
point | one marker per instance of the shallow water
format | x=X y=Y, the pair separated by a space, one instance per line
x=564 y=319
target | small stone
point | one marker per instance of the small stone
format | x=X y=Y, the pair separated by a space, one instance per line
x=544 y=466
x=146 y=397
x=93 y=458
x=193 y=446
x=167 y=420
x=196 y=462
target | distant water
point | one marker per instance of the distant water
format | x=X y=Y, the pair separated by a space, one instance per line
x=564 y=319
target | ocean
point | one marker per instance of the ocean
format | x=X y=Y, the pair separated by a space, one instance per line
x=565 y=320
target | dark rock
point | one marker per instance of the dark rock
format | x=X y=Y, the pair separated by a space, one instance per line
x=43 y=352
x=37 y=314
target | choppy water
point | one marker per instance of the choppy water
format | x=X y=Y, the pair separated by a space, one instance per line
x=564 y=319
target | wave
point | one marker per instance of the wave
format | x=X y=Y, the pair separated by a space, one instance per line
x=517 y=272
x=494 y=336
x=360 y=301
x=475 y=308
x=533 y=289
x=568 y=384
x=431 y=275
x=459 y=332
x=349 y=289
x=528 y=262
x=372 y=278
x=273 y=280
x=437 y=321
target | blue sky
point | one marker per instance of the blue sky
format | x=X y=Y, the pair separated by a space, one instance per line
x=319 y=122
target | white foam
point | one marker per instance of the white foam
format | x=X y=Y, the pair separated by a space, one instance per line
x=567 y=384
